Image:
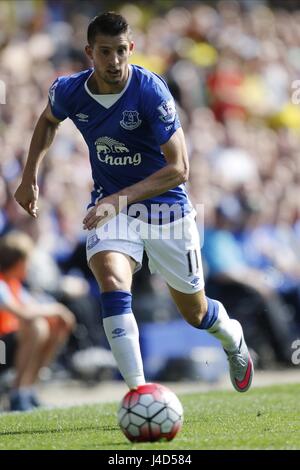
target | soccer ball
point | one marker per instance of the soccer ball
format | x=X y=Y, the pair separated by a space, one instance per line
x=150 y=413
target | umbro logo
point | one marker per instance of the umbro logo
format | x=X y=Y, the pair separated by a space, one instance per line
x=82 y=117
x=92 y=241
x=195 y=281
x=117 y=332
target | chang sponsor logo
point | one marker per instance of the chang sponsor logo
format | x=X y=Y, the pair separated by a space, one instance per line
x=112 y=152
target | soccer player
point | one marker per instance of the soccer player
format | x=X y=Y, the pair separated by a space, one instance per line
x=139 y=163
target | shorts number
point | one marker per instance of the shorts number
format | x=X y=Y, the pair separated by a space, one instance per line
x=193 y=262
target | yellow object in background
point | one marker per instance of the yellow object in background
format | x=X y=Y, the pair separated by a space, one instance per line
x=152 y=62
x=288 y=117
x=202 y=54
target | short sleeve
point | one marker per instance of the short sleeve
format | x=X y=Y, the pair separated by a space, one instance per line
x=5 y=294
x=222 y=253
x=160 y=110
x=57 y=100
x=25 y=297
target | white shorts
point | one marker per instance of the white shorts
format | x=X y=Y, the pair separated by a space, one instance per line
x=173 y=249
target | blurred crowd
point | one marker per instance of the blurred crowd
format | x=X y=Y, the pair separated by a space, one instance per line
x=232 y=68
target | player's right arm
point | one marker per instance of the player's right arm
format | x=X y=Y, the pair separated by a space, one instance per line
x=28 y=191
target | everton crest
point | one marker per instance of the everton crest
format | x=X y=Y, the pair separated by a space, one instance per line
x=130 y=120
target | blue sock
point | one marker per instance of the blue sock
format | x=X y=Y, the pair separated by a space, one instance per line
x=115 y=303
x=211 y=315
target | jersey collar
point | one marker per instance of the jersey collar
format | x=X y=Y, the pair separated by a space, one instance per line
x=108 y=100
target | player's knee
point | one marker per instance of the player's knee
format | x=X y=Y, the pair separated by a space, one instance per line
x=112 y=283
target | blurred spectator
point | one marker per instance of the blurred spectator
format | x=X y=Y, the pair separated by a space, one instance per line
x=231 y=65
x=245 y=291
x=32 y=332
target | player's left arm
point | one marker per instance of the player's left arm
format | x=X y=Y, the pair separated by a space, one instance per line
x=173 y=174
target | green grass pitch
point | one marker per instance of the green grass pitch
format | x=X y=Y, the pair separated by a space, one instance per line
x=263 y=418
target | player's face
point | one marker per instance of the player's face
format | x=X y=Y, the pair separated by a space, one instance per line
x=110 y=57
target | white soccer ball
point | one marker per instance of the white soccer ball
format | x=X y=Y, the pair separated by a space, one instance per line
x=150 y=413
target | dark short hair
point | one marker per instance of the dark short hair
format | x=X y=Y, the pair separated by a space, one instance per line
x=15 y=246
x=109 y=24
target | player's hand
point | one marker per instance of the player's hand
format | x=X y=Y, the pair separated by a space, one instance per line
x=27 y=196
x=104 y=211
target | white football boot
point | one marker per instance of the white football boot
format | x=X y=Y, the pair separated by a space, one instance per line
x=241 y=366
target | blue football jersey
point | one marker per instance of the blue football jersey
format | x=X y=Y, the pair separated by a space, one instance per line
x=124 y=138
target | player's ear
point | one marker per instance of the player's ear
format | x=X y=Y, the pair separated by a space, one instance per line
x=131 y=47
x=88 y=51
